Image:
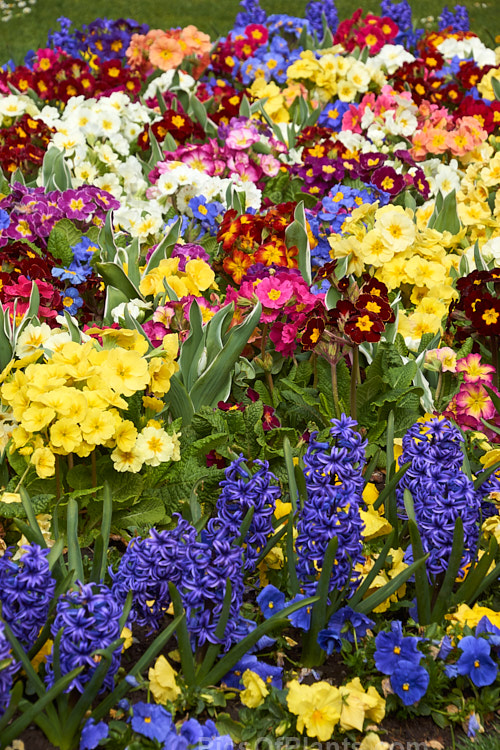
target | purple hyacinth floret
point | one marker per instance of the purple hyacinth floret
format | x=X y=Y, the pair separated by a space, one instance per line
x=89 y=615
x=26 y=591
x=334 y=482
x=6 y=673
x=441 y=491
x=242 y=491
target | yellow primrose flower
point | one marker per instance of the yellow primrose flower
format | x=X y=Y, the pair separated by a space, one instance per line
x=153 y=404
x=36 y=417
x=316 y=706
x=466 y=615
x=126 y=371
x=199 y=275
x=41 y=656
x=156 y=445
x=128 y=640
x=162 y=681
x=490 y=458
x=125 y=435
x=65 y=434
x=396 y=226
x=160 y=373
x=255 y=691
x=170 y=345
x=44 y=462
x=491 y=527
x=131 y=460
x=98 y=426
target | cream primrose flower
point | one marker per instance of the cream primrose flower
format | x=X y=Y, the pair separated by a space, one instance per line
x=156 y=445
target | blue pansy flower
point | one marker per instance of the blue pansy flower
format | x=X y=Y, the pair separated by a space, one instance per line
x=409 y=681
x=92 y=734
x=393 y=647
x=476 y=662
x=329 y=640
x=152 y=721
x=270 y=601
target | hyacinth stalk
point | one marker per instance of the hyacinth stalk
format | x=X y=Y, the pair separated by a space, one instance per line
x=444 y=509
x=329 y=540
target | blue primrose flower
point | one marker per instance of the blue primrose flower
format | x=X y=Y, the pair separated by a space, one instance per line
x=409 y=681
x=72 y=300
x=152 y=721
x=92 y=734
x=4 y=219
x=270 y=601
x=393 y=647
x=476 y=662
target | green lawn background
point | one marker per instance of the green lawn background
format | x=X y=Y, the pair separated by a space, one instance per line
x=215 y=17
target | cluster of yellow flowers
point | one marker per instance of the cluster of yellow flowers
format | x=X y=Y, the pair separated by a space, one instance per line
x=405 y=255
x=333 y=75
x=478 y=212
x=276 y=101
x=485 y=87
x=197 y=277
x=75 y=401
x=321 y=706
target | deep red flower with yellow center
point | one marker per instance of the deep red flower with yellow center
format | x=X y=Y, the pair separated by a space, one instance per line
x=364 y=326
x=486 y=316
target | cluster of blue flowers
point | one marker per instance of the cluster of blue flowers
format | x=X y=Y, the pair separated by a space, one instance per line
x=200 y=569
x=336 y=206
x=315 y=9
x=457 y=20
x=441 y=491
x=90 y=617
x=242 y=491
x=400 y=658
x=26 y=591
x=270 y=62
x=77 y=272
x=207 y=213
x=345 y=624
x=251 y=13
x=334 y=483
x=155 y=723
x=7 y=672
x=108 y=39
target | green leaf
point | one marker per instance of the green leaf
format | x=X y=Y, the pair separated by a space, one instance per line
x=443 y=599
x=422 y=588
x=114 y=275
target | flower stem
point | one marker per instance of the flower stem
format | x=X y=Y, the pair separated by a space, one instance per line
x=494 y=359
x=335 y=389
x=354 y=380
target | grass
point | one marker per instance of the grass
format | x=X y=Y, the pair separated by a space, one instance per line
x=215 y=17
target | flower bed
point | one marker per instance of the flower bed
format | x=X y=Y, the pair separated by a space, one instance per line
x=249 y=406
